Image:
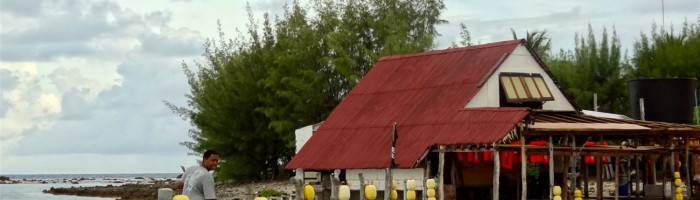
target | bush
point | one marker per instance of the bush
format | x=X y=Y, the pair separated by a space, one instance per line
x=270 y=193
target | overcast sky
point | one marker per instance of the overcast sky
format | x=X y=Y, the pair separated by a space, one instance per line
x=83 y=82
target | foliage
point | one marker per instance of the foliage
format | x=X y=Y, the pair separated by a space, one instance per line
x=594 y=68
x=465 y=36
x=253 y=91
x=663 y=54
x=538 y=41
x=270 y=193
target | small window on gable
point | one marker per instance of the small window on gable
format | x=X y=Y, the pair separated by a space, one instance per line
x=523 y=87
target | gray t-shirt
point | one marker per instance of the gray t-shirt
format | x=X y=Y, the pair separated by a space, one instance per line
x=199 y=184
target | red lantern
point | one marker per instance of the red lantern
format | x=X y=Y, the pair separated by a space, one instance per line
x=605 y=158
x=539 y=158
x=589 y=159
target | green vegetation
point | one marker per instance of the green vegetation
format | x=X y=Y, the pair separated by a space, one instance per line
x=256 y=89
x=270 y=193
x=290 y=71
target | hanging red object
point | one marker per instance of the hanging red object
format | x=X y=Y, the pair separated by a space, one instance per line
x=487 y=156
x=605 y=158
x=460 y=157
x=507 y=159
x=470 y=157
x=589 y=159
x=539 y=158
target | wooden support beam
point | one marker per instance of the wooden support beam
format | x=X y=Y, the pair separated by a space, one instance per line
x=523 y=168
x=441 y=172
x=299 y=183
x=362 y=186
x=599 y=175
x=574 y=164
x=617 y=178
x=496 y=174
x=387 y=184
x=551 y=167
x=686 y=165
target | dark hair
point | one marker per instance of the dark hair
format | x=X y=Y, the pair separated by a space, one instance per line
x=208 y=153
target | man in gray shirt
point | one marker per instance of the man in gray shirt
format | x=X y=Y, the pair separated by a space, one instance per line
x=197 y=183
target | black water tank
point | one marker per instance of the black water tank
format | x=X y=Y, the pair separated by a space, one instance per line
x=665 y=99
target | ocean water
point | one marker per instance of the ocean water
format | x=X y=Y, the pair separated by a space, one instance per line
x=31 y=185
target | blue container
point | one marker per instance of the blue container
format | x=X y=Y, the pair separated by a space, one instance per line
x=623 y=190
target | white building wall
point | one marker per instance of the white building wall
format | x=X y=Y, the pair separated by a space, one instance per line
x=377 y=177
x=302 y=135
x=520 y=61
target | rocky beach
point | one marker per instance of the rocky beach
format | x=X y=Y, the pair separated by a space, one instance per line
x=141 y=188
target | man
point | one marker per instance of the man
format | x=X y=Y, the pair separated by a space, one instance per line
x=197 y=183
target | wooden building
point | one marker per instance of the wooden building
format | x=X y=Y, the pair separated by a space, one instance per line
x=472 y=116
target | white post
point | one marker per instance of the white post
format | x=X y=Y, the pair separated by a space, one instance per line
x=551 y=167
x=496 y=172
x=523 y=168
x=441 y=172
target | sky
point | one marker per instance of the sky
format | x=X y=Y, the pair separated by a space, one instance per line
x=82 y=82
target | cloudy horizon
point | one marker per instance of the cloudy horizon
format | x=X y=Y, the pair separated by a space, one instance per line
x=83 y=82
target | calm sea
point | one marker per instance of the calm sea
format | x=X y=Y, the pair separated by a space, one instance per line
x=31 y=187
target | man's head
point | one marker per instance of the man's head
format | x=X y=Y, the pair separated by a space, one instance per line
x=210 y=159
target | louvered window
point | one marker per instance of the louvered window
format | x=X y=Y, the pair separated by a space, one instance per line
x=523 y=87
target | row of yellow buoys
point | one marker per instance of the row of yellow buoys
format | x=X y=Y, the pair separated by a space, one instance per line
x=556 y=191
x=371 y=191
x=678 y=183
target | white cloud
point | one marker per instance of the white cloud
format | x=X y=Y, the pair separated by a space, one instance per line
x=83 y=81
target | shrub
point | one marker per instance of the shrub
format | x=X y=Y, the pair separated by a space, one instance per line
x=270 y=193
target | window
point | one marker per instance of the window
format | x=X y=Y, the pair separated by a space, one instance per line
x=523 y=87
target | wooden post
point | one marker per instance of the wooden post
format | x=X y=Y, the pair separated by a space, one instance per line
x=441 y=172
x=574 y=164
x=335 y=184
x=387 y=184
x=496 y=172
x=664 y=166
x=599 y=175
x=427 y=176
x=617 y=177
x=551 y=167
x=585 y=179
x=362 y=186
x=299 y=183
x=523 y=168
x=686 y=163
x=565 y=183
x=637 y=178
x=672 y=161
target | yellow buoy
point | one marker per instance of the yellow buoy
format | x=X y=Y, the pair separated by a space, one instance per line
x=181 y=197
x=676 y=175
x=309 y=192
x=431 y=198
x=344 y=192
x=679 y=197
x=411 y=184
x=556 y=190
x=370 y=192
x=556 y=198
x=678 y=182
x=411 y=195
x=394 y=195
x=394 y=184
x=577 y=193
x=431 y=193
x=679 y=190
x=430 y=183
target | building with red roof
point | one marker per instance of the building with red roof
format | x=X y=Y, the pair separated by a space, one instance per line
x=454 y=114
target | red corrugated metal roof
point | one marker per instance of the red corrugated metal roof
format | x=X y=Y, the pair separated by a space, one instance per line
x=425 y=94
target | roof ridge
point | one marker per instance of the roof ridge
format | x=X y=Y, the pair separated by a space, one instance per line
x=450 y=50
